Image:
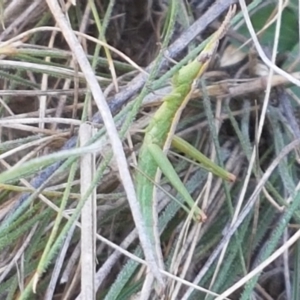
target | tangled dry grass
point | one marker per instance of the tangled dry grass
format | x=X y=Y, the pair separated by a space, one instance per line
x=242 y=115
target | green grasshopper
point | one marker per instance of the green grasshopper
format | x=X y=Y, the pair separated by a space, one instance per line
x=159 y=133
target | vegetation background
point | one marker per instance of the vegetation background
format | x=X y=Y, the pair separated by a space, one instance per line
x=243 y=115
